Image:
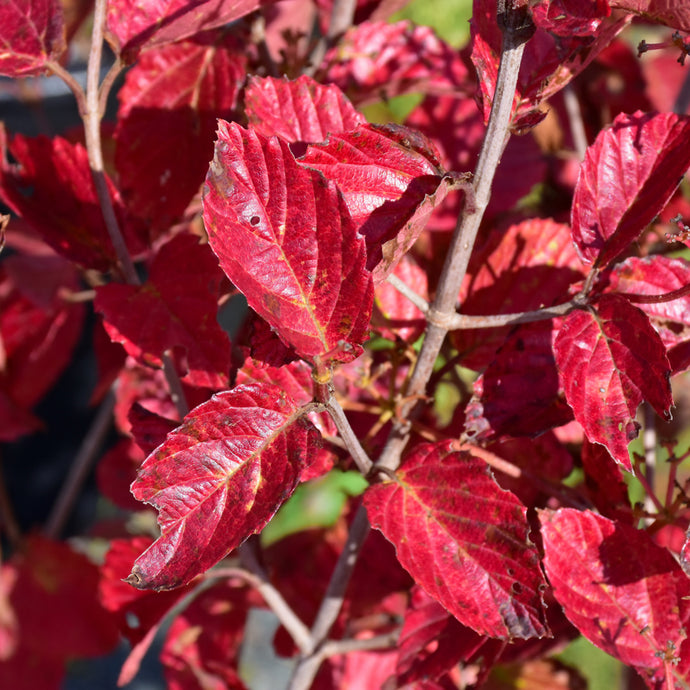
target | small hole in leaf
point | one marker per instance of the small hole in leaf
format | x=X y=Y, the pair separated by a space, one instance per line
x=254 y=220
x=516 y=588
x=132 y=620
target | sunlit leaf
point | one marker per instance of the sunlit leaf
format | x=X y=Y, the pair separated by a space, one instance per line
x=218 y=479
x=463 y=539
x=626 y=595
x=610 y=359
x=627 y=177
x=284 y=237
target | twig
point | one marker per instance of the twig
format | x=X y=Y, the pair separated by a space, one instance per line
x=342 y=16
x=470 y=321
x=577 y=126
x=408 y=292
x=306 y=669
x=359 y=455
x=92 y=130
x=649 y=445
x=107 y=84
x=175 y=385
x=258 y=578
x=8 y=520
x=74 y=86
x=441 y=312
x=80 y=468
x=335 y=647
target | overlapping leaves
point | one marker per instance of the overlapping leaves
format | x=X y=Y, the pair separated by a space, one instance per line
x=138 y=24
x=285 y=238
x=391 y=179
x=173 y=93
x=174 y=311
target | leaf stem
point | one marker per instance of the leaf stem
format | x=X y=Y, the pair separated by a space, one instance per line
x=92 y=129
x=359 y=455
x=80 y=468
x=641 y=298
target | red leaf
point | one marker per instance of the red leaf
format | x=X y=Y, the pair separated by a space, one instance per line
x=175 y=309
x=428 y=644
x=605 y=484
x=673 y=13
x=284 y=237
x=146 y=387
x=38 y=333
x=296 y=380
x=148 y=428
x=62 y=205
x=116 y=471
x=362 y=669
x=379 y=59
x=53 y=584
x=502 y=404
x=136 y=612
x=137 y=24
x=610 y=359
x=174 y=93
x=202 y=646
x=543 y=458
x=300 y=110
x=463 y=539
x=549 y=61
x=626 y=595
x=218 y=479
x=626 y=179
x=679 y=357
x=391 y=181
x=658 y=275
x=31 y=33
x=570 y=17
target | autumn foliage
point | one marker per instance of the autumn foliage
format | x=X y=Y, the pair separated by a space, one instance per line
x=473 y=310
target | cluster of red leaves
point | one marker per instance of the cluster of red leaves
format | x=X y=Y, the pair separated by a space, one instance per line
x=307 y=210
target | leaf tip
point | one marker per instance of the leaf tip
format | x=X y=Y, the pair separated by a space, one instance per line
x=136 y=580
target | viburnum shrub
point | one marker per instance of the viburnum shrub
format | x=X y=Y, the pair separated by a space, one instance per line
x=466 y=311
